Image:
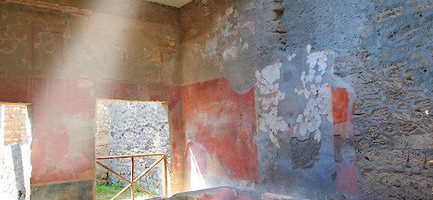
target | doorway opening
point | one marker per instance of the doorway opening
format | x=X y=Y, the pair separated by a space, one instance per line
x=15 y=151
x=132 y=139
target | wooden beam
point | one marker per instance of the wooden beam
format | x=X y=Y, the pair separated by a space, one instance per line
x=130 y=156
x=110 y=170
x=148 y=170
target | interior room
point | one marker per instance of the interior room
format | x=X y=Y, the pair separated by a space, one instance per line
x=216 y=99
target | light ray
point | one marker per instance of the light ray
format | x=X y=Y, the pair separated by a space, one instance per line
x=196 y=178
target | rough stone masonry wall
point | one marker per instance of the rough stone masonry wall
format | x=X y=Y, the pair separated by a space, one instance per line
x=394 y=86
x=125 y=128
x=381 y=52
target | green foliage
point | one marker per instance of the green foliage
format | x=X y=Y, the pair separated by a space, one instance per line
x=106 y=192
x=108 y=188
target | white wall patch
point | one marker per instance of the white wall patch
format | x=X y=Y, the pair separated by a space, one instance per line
x=268 y=99
x=317 y=94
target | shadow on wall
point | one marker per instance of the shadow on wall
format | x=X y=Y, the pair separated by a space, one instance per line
x=15 y=150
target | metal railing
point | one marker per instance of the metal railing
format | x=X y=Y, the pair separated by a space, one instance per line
x=132 y=182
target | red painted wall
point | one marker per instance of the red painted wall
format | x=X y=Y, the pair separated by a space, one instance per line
x=347 y=174
x=209 y=118
x=219 y=125
x=63 y=117
x=340 y=105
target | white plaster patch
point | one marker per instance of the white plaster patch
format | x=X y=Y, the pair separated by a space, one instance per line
x=212 y=46
x=308 y=48
x=245 y=47
x=229 y=11
x=230 y=53
x=318 y=96
x=290 y=57
x=268 y=99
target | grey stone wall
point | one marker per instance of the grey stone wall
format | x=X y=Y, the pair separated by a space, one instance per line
x=134 y=128
x=394 y=84
x=381 y=52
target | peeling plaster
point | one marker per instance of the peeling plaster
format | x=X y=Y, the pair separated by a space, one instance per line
x=232 y=30
x=268 y=84
x=230 y=52
x=290 y=57
x=317 y=94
